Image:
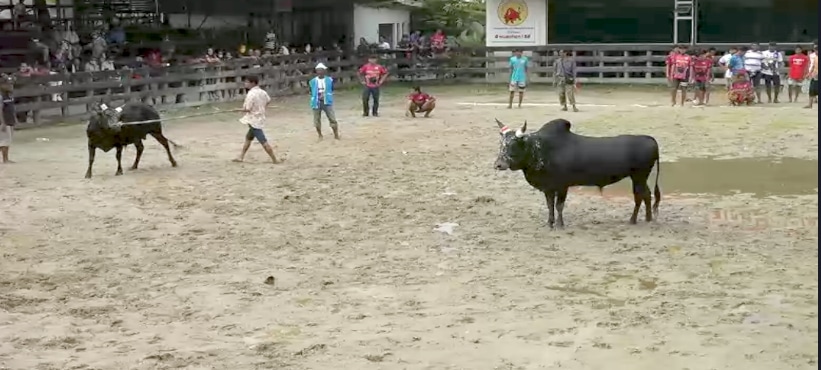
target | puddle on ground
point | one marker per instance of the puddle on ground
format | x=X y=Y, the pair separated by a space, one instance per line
x=759 y=176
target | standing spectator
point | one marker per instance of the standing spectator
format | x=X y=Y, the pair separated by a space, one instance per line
x=702 y=72
x=678 y=72
x=753 y=59
x=372 y=76
x=518 y=77
x=154 y=58
x=271 y=41
x=41 y=49
x=8 y=118
x=813 y=75
x=711 y=55
x=210 y=56
x=437 y=42
x=770 y=70
x=256 y=102
x=98 y=45
x=19 y=13
x=799 y=69
x=73 y=40
x=322 y=100
x=363 y=48
x=565 y=79
x=724 y=62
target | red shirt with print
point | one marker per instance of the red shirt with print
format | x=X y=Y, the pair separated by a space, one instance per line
x=419 y=98
x=372 y=73
x=702 y=69
x=681 y=66
x=798 y=66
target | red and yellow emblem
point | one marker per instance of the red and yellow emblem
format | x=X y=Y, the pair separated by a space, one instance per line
x=512 y=12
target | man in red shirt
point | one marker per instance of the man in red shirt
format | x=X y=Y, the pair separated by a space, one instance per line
x=372 y=76
x=437 y=42
x=799 y=67
x=679 y=72
x=702 y=73
x=419 y=102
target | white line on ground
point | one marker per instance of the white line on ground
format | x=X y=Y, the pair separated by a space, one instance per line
x=478 y=104
x=475 y=104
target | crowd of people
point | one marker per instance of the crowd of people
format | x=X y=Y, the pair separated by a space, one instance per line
x=748 y=71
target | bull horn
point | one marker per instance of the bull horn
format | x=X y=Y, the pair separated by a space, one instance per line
x=501 y=125
x=521 y=131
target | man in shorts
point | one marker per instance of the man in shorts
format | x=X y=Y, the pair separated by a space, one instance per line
x=799 y=64
x=256 y=101
x=702 y=73
x=813 y=76
x=679 y=72
x=518 y=77
x=770 y=72
x=724 y=62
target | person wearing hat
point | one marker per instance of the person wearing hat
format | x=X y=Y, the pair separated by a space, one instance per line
x=322 y=100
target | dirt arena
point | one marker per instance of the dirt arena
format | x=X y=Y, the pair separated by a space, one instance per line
x=400 y=247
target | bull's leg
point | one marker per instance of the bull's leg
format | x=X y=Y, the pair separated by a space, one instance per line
x=119 y=156
x=139 y=145
x=561 y=197
x=551 y=206
x=91 y=151
x=648 y=210
x=164 y=142
x=641 y=193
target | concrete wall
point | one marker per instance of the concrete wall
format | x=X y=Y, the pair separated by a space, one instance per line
x=366 y=22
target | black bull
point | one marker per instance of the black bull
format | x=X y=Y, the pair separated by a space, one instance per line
x=553 y=159
x=104 y=134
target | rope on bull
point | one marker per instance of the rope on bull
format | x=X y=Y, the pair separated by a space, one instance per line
x=172 y=118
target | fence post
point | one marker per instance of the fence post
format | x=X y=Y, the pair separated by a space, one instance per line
x=649 y=64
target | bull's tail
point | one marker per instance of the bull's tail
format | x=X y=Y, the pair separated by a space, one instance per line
x=656 y=191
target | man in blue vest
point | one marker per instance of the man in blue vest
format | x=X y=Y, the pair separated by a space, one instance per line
x=322 y=100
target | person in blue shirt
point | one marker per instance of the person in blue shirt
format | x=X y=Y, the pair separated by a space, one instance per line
x=518 y=77
x=322 y=100
x=736 y=62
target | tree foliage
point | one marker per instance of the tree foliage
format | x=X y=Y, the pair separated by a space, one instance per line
x=452 y=16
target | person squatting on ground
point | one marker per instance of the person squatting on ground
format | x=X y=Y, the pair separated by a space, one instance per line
x=678 y=71
x=770 y=67
x=322 y=100
x=813 y=76
x=564 y=69
x=741 y=90
x=372 y=75
x=419 y=102
x=8 y=118
x=518 y=77
x=702 y=74
x=799 y=64
x=753 y=61
x=256 y=101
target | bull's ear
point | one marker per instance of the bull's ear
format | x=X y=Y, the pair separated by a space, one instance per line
x=524 y=127
x=501 y=125
x=567 y=125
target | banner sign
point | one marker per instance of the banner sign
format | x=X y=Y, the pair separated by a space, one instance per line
x=516 y=23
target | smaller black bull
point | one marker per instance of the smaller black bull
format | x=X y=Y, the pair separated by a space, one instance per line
x=109 y=129
x=553 y=159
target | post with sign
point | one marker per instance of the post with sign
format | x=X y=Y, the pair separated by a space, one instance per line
x=511 y=23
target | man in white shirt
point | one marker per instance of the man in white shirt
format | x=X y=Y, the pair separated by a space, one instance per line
x=256 y=101
x=770 y=70
x=752 y=63
x=724 y=61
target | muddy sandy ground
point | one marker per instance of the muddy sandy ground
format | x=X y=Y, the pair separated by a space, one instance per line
x=164 y=268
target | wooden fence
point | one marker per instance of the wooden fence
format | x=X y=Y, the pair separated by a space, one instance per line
x=44 y=99
x=53 y=98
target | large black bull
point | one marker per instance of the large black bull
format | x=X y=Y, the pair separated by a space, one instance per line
x=553 y=159
x=108 y=128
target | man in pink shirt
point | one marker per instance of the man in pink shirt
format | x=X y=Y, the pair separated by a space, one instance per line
x=372 y=75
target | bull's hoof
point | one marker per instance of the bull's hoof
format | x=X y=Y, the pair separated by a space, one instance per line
x=173 y=164
x=88 y=176
x=119 y=173
x=633 y=221
x=133 y=168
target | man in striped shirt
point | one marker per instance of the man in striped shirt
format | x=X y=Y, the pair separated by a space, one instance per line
x=753 y=59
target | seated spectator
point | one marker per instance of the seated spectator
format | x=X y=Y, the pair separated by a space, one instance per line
x=25 y=70
x=75 y=66
x=741 y=90
x=154 y=58
x=91 y=66
x=363 y=49
x=106 y=64
x=210 y=56
x=116 y=35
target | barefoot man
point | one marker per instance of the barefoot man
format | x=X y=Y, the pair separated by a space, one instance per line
x=256 y=101
x=518 y=77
